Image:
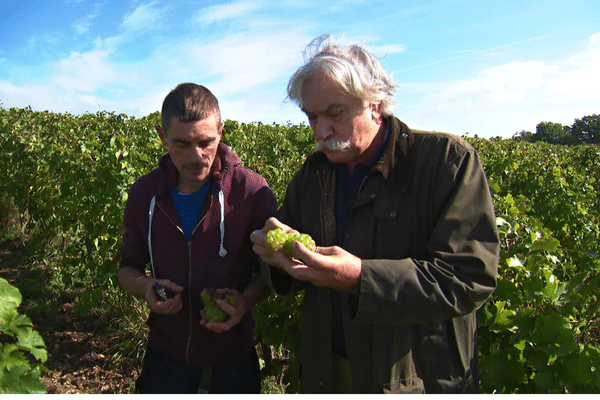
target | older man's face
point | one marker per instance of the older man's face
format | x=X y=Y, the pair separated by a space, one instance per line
x=344 y=127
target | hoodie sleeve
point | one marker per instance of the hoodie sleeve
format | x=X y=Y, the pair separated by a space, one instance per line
x=265 y=207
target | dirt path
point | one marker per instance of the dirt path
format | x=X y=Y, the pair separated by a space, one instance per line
x=78 y=359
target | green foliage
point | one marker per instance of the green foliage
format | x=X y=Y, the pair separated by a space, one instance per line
x=278 y=326
x=19 y=344
x=551 y=132
x=68 y=177
x=274 y=151
x=9 y=219
x=71 y=176
x=539 y=331
x=587 y=129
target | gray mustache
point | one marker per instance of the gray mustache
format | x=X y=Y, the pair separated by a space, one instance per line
x=332 y=144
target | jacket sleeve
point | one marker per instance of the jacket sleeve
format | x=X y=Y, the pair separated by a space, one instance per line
x=279 y=281
x=265 y=207
x=457 y=269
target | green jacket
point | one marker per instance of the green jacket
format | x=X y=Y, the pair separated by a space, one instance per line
x=424 y=226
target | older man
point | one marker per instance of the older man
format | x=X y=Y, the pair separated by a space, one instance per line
x=407 y=242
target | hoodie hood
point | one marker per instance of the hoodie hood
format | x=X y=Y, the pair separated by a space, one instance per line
x=225 y=161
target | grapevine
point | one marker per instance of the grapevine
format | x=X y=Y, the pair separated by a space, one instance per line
x=68 y=178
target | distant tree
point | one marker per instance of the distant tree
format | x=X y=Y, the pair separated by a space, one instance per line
x=586 y=130
x=551 y=132
x=526 y=136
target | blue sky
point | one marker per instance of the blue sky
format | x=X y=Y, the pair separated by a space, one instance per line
x=486 y=68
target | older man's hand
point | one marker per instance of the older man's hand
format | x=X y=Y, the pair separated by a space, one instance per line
x=327 y=267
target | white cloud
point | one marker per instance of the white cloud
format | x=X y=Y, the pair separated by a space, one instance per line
x=225 y=11
x=594 y=40
x=43 y=97
x=578 y=79
x=83 y=25
x=507 y=98
x=240 y=63
x=85 y=71
x=248 y=71
x=239 y=69
x=382 y=51
x=267 y=107
x=42 y=41
x=508 y=82
x=146 y=16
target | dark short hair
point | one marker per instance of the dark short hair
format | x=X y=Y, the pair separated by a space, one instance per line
x=188 y=102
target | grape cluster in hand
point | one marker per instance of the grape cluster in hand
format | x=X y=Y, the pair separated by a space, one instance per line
x=278 y=240
x=212 y=312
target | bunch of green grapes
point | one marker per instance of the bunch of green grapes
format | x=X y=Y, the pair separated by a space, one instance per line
x=278 y=240
x=212 y=312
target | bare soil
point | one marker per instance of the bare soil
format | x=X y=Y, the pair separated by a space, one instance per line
x=79 y=346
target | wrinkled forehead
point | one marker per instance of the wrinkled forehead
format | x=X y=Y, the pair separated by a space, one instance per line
x=321 y=94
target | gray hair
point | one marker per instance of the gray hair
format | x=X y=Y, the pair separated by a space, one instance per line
x=352 y=66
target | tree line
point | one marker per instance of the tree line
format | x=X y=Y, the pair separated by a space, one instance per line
x=584 y=130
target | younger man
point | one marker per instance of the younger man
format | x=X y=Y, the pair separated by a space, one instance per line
x=190 y=219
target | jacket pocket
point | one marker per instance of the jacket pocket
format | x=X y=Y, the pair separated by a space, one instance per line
x=405 y=386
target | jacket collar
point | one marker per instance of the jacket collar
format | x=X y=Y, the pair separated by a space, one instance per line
x=396 y=153
x=396 y=150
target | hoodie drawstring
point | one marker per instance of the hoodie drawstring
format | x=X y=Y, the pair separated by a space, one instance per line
x=222 y=251
x=150 y=215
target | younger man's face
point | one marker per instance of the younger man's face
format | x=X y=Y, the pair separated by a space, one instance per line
x=193 y=148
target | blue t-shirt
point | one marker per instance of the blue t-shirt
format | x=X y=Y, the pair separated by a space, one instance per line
x=189 y=205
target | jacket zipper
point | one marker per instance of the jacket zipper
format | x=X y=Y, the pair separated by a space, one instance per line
x=189 y=341
x=190 y=316
x=189 y=256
